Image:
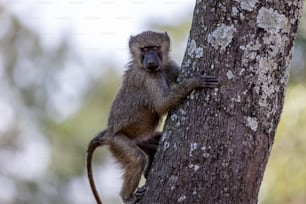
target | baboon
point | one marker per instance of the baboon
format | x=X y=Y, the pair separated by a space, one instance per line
x=148 y=91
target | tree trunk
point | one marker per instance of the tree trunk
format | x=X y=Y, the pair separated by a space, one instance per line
x=216 y=144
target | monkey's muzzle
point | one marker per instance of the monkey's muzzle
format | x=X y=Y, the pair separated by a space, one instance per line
x=151 y=62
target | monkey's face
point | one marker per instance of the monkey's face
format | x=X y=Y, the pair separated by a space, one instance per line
x=151 y=58
x=150 y=50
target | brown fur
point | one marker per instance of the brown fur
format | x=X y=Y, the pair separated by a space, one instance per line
x=143 y=98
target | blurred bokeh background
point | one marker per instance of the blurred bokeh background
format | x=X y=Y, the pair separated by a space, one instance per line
x=60 y=67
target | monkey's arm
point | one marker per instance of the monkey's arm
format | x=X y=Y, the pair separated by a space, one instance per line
x=167 y=99
x=172 y=71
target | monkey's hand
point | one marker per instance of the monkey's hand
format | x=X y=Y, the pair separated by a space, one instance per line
x=209 y=81
x=204 y=81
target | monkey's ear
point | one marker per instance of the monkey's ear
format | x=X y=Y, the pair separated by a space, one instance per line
x=167 y=36
x=131 y=41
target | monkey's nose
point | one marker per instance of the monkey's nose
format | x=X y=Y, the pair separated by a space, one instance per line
x=153 y=66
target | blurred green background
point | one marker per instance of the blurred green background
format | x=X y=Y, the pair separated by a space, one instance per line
x=57 y=81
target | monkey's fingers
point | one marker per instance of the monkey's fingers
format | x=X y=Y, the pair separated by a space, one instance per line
x=209 y=81
x=135 y=198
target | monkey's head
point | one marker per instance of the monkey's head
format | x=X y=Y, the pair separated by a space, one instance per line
x=150 y=50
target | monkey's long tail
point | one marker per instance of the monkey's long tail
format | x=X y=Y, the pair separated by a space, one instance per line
x=94 y=143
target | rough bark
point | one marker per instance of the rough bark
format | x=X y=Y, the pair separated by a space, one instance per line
x=216 y=144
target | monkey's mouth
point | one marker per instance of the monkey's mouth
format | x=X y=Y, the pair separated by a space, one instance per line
x=153 y=68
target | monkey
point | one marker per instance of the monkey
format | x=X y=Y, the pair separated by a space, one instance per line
x=148 y=91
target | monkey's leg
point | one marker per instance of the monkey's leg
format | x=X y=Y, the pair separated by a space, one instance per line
x=150 y=148
x=133 y=161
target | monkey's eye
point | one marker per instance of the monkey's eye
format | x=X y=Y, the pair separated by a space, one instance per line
x=144 y=49
x=155 y=48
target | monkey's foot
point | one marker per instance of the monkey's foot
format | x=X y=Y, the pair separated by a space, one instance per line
x=135 y=198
